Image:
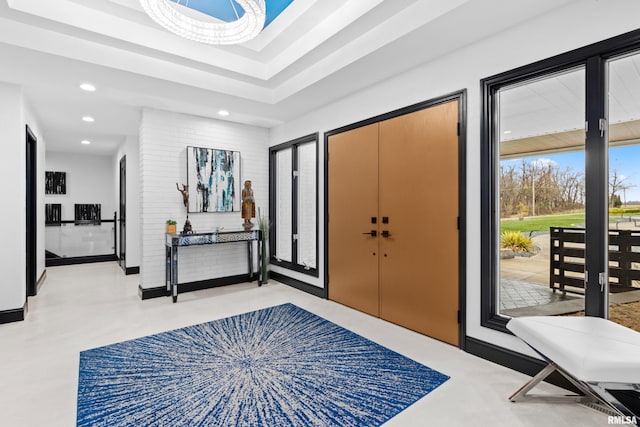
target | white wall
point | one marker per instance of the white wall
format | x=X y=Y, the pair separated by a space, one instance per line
x=130 y=148
x=578 y=24
x=164 y=137
x=12 y=173
x=89 y=181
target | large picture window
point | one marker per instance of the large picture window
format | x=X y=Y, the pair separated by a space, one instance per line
x=293 y=173
x=562 y=189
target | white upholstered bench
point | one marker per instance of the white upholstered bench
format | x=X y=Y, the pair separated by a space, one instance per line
x=594 y=354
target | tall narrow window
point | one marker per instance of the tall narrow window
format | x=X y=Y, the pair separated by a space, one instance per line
x=540 y=206
x=283 y=219
x=293 y=205
x=560 y=207
x=624 y=190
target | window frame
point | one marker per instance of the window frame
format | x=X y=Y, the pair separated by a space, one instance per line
x=593 y=58
x=293 y=145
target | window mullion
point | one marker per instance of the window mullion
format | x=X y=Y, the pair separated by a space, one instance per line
x=596 y=186
x=294 y=205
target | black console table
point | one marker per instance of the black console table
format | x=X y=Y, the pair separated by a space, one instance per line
x=175 y=241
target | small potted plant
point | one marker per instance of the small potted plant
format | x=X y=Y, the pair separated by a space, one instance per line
x=171 y=226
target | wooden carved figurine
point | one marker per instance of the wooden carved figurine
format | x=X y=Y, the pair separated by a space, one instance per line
x=248 y=206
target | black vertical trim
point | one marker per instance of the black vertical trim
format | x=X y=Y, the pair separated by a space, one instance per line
x=326 y=213
x=115 y=234
x=462 y=217
x=294 y=203
x=122 y=243
x=273 y=197
x=596 y=188
x=31 y=212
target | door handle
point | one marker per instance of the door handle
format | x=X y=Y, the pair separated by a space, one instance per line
x=372 y=233
x=385 y=233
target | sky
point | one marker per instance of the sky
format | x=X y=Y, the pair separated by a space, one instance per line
x=625 y=160
x=224 y=9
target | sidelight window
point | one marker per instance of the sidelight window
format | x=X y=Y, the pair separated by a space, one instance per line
x=293 y=205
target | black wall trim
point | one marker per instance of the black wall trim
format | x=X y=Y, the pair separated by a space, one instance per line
x=132 y=270
x=516 y=361
x=161 y=291
x=214 y=283
x=148 y=293
x=53 y=262
x=9 y=316
x=295 y=283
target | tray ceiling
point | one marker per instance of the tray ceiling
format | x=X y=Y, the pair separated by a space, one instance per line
x=314 y=53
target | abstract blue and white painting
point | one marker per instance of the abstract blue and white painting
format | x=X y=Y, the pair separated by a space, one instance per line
x=280 y=366
x=213 y=177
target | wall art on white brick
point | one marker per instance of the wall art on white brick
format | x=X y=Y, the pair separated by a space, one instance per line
x=214 y=179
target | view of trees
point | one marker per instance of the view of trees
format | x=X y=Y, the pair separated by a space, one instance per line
x=539 y=187
x=543 y=187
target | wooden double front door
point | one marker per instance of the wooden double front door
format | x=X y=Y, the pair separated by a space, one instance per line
x=393 y=220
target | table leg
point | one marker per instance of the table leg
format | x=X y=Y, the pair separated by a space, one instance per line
x=250 y=259
x=174 y=273
x=167 y=268
x=259 y=244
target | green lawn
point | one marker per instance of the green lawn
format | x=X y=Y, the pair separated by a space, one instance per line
x=574 y=219
x=542 y=223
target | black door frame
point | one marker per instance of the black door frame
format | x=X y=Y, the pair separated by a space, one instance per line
x=31 y=216
x=461 y=97
x=123 y=214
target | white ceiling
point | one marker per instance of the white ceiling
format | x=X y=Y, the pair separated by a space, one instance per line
x=314 y=53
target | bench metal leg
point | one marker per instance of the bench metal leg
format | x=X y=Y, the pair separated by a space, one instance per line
x=595 y=395
x=522 y=393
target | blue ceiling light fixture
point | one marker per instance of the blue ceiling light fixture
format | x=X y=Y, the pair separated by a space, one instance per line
x=236 y=21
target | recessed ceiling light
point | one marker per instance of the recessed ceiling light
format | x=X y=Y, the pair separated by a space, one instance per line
x=88 y=87
x=507 y=132
x=85 y=142
x=88 y=119
x=223 y=113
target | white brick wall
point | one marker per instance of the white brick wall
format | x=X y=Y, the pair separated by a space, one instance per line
x=164 y=137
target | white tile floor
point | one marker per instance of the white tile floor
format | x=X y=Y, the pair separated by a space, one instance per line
x=86 y=306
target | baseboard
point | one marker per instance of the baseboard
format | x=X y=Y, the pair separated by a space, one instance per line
x=161 y=291
x=214 y=283
x=148 y=293
x=294 y=283
x=516 y=361
x=9 y=316
x=41 y=280
x=54 y=262
x=132 y=270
